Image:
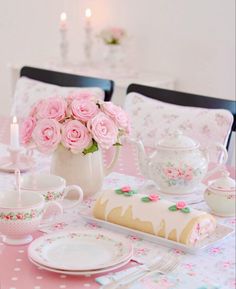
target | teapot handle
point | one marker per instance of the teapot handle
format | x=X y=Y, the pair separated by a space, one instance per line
x=143 y=157
x=222 y=161
x=108 y=170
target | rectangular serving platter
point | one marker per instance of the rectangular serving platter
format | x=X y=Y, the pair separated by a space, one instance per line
x=220 y=234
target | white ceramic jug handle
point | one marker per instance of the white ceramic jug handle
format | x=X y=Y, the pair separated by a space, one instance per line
x=108 y=170
x=222 y=161
x=78 y=191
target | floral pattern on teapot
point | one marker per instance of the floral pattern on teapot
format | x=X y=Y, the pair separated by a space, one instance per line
x=173 y=175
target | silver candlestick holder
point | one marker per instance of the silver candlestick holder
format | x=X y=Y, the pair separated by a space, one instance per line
x=88 y=43
x=64 y=46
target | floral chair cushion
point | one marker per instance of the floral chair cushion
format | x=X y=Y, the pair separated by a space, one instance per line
x=29 y=91
x=152 y=120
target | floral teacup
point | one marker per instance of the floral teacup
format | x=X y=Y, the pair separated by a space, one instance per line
x=20 y=218
x=52 y=188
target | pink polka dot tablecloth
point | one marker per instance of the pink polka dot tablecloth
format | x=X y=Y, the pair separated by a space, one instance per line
x=214 y=268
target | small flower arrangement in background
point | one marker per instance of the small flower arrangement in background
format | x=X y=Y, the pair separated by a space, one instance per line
x=113 y=35
x=80 y=124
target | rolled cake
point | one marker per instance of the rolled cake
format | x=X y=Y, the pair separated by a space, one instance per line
x=150 y=214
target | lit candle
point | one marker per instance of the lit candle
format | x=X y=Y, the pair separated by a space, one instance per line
x=63 y=22
x=88 y=14
x=15 y=144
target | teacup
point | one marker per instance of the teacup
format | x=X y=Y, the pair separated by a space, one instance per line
x=20 y=218
x=52 y=188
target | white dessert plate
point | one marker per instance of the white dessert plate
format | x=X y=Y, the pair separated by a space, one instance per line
x=79 y=273
x=220 y=233
x=76 y=250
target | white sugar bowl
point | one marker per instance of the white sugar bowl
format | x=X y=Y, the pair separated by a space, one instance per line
x=220 y=196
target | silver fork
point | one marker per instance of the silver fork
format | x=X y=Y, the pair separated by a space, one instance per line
x=143 y=269
x=165 y=268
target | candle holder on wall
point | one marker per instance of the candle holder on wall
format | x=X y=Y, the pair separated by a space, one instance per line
x=16 y=159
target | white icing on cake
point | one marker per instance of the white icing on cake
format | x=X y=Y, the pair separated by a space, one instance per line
x=153 y=212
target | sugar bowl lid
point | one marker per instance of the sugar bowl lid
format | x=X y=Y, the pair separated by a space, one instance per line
x=224 y=183
x=177 y=140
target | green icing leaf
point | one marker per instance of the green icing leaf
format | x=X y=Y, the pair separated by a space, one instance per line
x=185 y=210
x=128 y=194
x=119 y=192
x=173 y=208
x=93 y=148
x=145 y=199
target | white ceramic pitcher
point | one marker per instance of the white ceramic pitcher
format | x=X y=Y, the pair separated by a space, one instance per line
x=87 y=171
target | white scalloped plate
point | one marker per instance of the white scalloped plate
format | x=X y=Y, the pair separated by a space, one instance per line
x=81 y=273
x=77 y=250
x=220 y=233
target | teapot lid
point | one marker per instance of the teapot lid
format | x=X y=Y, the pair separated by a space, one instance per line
x=177 y=140
x=224 y=183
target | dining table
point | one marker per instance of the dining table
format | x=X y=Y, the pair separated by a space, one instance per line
x=212 y=268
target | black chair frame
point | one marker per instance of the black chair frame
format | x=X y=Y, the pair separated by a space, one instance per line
x=68 y=80
x=186 y=99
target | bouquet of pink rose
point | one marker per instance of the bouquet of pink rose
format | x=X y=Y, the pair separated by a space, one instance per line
x=113 y=35
x=79 y=124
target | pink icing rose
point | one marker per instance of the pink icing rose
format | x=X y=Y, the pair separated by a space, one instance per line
x=46 y=135
x=181 y=205
x=104 y=130
x=52 y=108
x=153 y=197
x=119 y=116
x=126 y=189
x=75 y=136
x=27 y=129
x=83 y=110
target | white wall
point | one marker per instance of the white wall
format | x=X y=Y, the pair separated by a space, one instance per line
x=191 y=40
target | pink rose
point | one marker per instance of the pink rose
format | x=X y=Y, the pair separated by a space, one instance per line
x=188 y=174
x=153 y=197
x=83 y=110
x=117 y=114
x=27 y=129
x=75 y=136
x=52 y=108
x=171 y=173
x=46 y=135
x=33 y=110
x=181 y=205
x=80 y=95
x=104 y=130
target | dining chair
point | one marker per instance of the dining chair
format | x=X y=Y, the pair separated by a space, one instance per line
x=187 y=100
x=68 y=80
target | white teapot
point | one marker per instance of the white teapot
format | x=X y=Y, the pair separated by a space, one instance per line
x=178 y=164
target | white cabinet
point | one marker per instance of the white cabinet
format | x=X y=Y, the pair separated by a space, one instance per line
x=122 y=78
